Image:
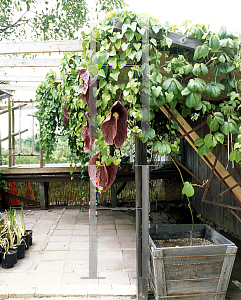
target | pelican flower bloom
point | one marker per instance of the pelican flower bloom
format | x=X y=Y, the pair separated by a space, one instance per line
x=86 y=89
x=114 y=128
x=101 y=175
x=86 y=134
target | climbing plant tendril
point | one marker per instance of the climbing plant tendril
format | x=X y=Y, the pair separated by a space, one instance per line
x=178 y=78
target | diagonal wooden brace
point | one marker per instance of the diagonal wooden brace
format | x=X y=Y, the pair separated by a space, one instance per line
x=220 y=170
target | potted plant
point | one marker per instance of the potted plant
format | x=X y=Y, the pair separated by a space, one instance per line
x=10 y=231
x=8 y=255
x=11 y=236
x=20 y=241
x=27 y=234
x=125 y=163
x=3 y=230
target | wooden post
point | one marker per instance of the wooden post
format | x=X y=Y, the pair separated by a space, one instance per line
x=43 y=194
x=9 y=135
x=41 y=154
x=113 y=187
x=41 y=158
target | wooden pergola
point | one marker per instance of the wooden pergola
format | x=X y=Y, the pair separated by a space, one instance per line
x=141 y=167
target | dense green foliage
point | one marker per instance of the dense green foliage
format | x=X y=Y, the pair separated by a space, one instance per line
x=176 y=78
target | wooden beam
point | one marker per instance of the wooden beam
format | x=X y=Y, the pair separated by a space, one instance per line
x=25 y=200
x=13 y=108
x=18 y=87
x=5 y=63
x=20 y=78
x=220 y=170
x=13 y=135
x=35 y=169
x=177 y=38
x=40 y=47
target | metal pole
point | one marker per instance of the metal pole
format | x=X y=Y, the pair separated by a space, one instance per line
x=33 y=131
x=113 y=187
x=41 y=152
x=142 y=178
x=13 y=137
x=20 y=138
x=9 y=135
x=1 y=154
x=141 y=159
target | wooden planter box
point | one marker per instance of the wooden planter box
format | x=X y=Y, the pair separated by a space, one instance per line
x=190 y=272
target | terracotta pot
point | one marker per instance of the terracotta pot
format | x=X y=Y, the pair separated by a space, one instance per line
x=126 y=169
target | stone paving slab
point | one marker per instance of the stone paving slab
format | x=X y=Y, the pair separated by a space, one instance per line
x=58 y=260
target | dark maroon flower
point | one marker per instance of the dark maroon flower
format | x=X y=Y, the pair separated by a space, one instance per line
x=86 y=89
x=114 y=127
x=86 y=134
x=89 y=97
x=101 y=175
x=65 y=115
x=84 y=74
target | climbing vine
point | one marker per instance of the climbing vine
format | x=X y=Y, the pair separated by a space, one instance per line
x=102 y=88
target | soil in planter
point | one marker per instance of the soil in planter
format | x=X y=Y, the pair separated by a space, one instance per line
x=181 y=242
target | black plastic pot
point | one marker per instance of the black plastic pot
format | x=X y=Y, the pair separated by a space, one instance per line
x=15 y=250
x=26 y=240
x=21 y=250
x=29 y=235
x=1 y=253
x=8 y=259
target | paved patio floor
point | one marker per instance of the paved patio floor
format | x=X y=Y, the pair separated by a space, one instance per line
x=59 y=257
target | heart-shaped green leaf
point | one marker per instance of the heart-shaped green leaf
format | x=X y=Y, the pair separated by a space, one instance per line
x=156 y=90
x=115 y=75
x=129 y=35
x=102 y=73
x=214 y=125
x=188 y=189
x=137 y=46
x=124 y=46
x=199 y=142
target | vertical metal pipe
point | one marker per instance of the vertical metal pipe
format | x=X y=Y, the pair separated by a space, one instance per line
x=33 y=130
x=145 y=228
x=41 y=151
x=142 y=177
x=13 y=137
x=20 y=142
x=1 y=154
x=141 y=159
x=113 y=186
x=9 y=135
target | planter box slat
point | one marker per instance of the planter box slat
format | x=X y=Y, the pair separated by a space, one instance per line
x=195 y=251
x=188 y=260
x=195 y=270
x=190 y=272
x=226 y=270
x=192 y=286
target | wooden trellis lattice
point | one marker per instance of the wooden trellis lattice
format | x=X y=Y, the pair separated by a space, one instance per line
x=214 y=164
